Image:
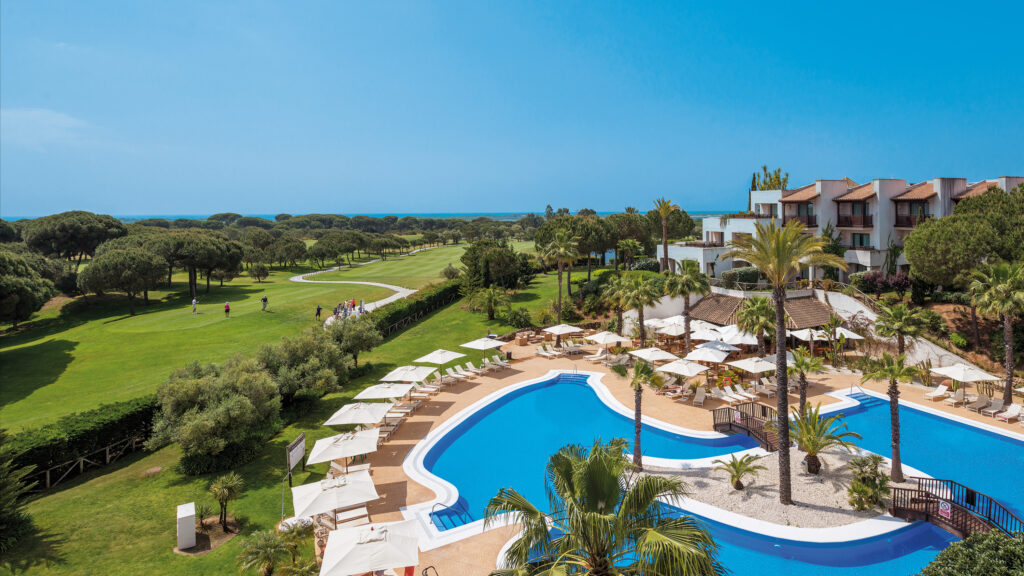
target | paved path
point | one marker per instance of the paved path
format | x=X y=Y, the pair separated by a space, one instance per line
x=399 y=292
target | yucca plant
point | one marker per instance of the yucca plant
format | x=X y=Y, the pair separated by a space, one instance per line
x=738 y=468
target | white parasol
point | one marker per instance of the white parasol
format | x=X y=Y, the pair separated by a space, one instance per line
x=964 y=373
x=384 y=391
x=371 y=548
x=327 y=495
x=706 y=355
x=359 y=413
x=439 y=356
x=562 y=329
x=409 y=374
x=753 y=365
x=483 y=344
x=653 y=355
x=683 y=368
x=344 y=445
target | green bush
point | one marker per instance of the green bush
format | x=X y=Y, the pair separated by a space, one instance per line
x=569 y=312
x=519 y=319
x=420 y=302
x=958 y=340
x=81 y=433
x=870 y=485
x=961 y=298
x=743 y=275
x=934 y=323
x=858 y=282
x=980 y=554
x=646 y=264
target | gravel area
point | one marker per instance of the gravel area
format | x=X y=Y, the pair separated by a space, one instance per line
x=820 y=500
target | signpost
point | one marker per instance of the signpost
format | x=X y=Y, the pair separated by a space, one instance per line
x=295 y=454
x=945 y=509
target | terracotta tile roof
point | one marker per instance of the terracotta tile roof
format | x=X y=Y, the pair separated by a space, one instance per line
x=806 y=313
x=716 y=308
x=858 y=193
x=919 y=191
x=800 y=312
x=977 y=189
x=802 y=194
x=850 y=183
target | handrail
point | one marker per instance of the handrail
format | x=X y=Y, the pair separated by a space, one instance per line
x=429 y=571
x=953 y=506
x=461 y=512
x=751 y=418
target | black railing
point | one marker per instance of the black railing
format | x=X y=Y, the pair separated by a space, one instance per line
x=429 y=571
x=805 y=219
x=953 y=507
x=855 y=220
x=752 y=419
x=910 y=220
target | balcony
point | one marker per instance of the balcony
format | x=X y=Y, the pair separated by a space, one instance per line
x=861 y=248
x=807 y=220
x=711 y=244
x=855 y=220
x=910 y=220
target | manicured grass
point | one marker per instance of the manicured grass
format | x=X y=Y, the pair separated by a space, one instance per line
x=413 y=271
x=116 y=520
x=92 y=351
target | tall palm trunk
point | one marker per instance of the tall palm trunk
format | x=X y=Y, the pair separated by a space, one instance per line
x=558 y=337
x=894 y=417
x=803 y=392
x=664 y=244
x=618 y=327
x=900 y=344
x=760 y=345
x=975 y=334
x=643 y=329
x=782 y=403
x=638 y=397
x=1008 y=361
x=686 y=320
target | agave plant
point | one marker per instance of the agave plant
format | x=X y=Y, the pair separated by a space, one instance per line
x=738 y=468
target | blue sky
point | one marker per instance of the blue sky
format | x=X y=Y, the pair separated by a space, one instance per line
x=266 y=107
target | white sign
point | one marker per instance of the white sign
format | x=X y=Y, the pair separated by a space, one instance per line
x=296 y=451
x=945 y=509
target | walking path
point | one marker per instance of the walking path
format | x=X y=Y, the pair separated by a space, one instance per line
x=399 y=292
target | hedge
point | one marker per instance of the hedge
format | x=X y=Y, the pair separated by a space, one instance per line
x=79 y=434
x=415 y=305
x=741 y=275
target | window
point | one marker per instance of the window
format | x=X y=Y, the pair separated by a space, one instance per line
x=860 y=240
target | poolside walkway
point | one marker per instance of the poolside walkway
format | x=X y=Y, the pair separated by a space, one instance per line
x=478 y=554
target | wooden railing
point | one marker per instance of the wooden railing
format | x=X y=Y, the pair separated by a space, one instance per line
x=953 y=507
x=910 y=220
x=855 y=220
x=751 y=419
x=805 y=219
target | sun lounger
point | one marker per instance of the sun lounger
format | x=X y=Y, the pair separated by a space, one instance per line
x=977 y=405
x=473 y=369
x=351 y=514
x=601 y=355
x=995 y=406
x=451 y=374
x=496 y=359
x=938 y=394
x=956 y=398
x=762 y=389
x=698 y=398
x=719 y=394
x=486 y=365
x=459 y=370
x=1011 y=413
x=554 y=351
x=419 y=396
x=352 y=523
x=339 y=469
x=683 y=395
x=428 y=389
x=738 y=391
x=543 y=351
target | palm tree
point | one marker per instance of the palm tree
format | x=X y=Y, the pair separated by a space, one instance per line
x=894 y=370
x=757 y=316
x=613 y=295
x=224 y=489
x=560 y=251
x=804 y=363
x=491 y=299
x=814 y=434
x=637 y=293
x=262 y=551
x=899 y=321
x=737 y=468
x=664 y=207
x=999 y=291
x=604 y=520
x=779 y=252
x=295 y=536
x=644 y=375
x=310 y=568
x=689 y=280
x=629 y=248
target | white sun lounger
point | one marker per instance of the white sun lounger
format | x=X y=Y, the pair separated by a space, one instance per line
x=451 y=374
x=1011 y=413
x=601 y=355
x=473 y=369
x=738 y=391
x=496 y=359
x=698 y=398
x=956 y=398
x=460 y=370
x=938 y=394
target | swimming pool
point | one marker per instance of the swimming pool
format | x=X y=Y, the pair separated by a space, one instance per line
x=508 y=443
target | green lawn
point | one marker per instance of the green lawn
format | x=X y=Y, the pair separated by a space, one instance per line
x=118 y=521
x=92 y=351
x=414 y=271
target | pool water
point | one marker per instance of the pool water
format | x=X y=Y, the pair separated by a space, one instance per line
x=508 y=443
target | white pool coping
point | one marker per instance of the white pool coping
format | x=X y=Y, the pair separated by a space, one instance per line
x=447 y=494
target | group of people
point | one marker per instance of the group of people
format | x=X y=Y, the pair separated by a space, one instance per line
x=344 y=309
x=227 y=306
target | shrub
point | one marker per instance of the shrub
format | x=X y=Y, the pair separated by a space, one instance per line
x=14 y=520
x=259 y=271
x=958 y=340
x=593 y=305
x=308 y=364
x=920 y=290
x=980 y=554
x=419 y=303
x=944 y=297
x=76 y=435
x=450 y=272
x=875 y=283
x=742 y=275
x=546 y=317
x=646 y=264
x=934 y=323
x=356 y=335
x=569 y=312
x=870 y=485
x=857 y=281
x=900 y=283
x=519 y=318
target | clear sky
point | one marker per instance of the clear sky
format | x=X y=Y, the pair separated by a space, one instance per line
x=367 y=107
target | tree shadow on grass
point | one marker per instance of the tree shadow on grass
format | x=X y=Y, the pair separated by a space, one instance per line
x=30 y=368
x=38 y=548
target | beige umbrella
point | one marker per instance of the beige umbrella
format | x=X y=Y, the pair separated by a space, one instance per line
x=385 y=391
x=327 y=495
x=683 y=368
x=606 y=338
x=345 y=445
x=706 y=355
x=359 y=413
x=483 y=344
x=371 y=548
x=753 y=365
x=706 y=334
x=718 y=345
x=964 y=373
x=439 y=356
x=653 y=355
x=672 y=330
x=409 y=374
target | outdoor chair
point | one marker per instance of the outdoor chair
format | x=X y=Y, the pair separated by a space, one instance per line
x=499 y=362
x=978 y=404
x=473 y=369
x=956 y=398
x=738 y=391
x=1011 y=413
x=718 y=394
x=699 y=396
x=996 y=406
x=460 y=371
x=451 y=374
x=938 y=394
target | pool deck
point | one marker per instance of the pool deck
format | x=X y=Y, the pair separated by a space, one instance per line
x=477 y=554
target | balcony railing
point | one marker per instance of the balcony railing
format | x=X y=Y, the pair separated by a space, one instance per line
x=910 y=220
x=805 y=219
x=860 y=248
x=855 y=220
x=711 y=244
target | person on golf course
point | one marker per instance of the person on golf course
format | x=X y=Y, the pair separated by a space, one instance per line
x=227 y=309
x=195 y=303
x=264 y=301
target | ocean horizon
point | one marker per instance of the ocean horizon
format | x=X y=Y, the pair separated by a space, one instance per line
x=503 y=216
